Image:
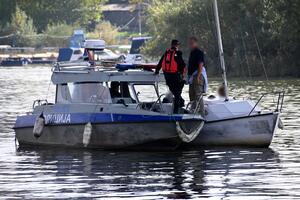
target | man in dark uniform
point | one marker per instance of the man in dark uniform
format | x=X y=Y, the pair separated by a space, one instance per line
x=173 y=67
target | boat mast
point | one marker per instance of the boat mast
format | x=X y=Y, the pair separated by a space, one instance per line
x=221 y=52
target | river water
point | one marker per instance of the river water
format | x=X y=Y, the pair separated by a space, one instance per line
x=213 y=173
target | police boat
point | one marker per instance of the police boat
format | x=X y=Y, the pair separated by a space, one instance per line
x=106 y=109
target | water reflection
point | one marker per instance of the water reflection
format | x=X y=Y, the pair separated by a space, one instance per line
x=201 y=173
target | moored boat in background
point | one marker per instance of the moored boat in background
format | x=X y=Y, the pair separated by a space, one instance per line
x=15 y=61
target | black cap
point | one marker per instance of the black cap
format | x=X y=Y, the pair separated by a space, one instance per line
x=175 y=43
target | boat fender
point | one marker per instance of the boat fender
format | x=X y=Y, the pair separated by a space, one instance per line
x=188 y=137
x=39 y=126
x=280 y=124
x=87 y=132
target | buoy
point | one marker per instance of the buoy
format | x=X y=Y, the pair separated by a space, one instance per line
x=39 y=126
x=188 y=137
x=87 y=132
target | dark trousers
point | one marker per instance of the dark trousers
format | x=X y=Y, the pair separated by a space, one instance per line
x=175 y=84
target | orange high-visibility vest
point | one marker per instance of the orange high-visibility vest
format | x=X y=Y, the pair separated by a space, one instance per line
x=169 y=64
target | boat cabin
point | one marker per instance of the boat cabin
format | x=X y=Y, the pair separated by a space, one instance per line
x=132 y=88
x=85 y=84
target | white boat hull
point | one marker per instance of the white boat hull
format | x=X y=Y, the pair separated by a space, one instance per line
x=103 y=136
x=255 y=130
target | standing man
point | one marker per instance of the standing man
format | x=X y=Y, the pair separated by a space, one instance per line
x=197 y=76
x=173 y=66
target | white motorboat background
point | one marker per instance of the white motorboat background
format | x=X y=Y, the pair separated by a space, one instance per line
x=80 y=46
x=135 y=56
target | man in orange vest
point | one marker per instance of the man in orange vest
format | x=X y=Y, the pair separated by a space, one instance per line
x=173 y=67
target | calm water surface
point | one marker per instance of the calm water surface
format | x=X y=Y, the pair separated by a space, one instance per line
x=217 y=173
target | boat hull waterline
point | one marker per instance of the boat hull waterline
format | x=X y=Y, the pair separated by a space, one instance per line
x=123 y=131
x=254 y=130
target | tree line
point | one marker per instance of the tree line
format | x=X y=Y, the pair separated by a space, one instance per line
x=50 y=22
x=260 y=37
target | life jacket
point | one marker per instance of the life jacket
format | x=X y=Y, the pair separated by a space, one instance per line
x=169 y=64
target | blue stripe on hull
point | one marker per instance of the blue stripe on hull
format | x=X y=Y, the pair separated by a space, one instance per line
x=82 y=118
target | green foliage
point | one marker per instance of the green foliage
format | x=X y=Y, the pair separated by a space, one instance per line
x=274 y=24
x=43 y=12
x=22 y=29
x=104 y=30
x=46 y=22
x=7 y=8
x=57 y=35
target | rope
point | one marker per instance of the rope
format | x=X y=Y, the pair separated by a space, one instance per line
x=48 y=89
x=259 y=53
x=7 y=36
x=188 y=137
x=246 y=57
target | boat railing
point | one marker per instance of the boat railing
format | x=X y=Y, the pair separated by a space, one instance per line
x=72 y=67
x=158 y=101
x=39 y=102
x=279 y=101
x=81 y=67
x=197 y=107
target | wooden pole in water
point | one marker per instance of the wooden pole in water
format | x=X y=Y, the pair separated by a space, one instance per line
x=221 y=52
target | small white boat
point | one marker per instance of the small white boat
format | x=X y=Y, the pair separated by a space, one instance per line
x=237 y=123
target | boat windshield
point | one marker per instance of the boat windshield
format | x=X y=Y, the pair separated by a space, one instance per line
x=146 y=93
x=136 y=46
x=83 y=93
x=103 y=54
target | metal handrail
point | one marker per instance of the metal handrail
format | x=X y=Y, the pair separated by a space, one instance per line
x=279 y=104
x=197 y=105
x=280 y=100
x=256 y=104
x=158 y=100
x=71 y=67
x=39 y=102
